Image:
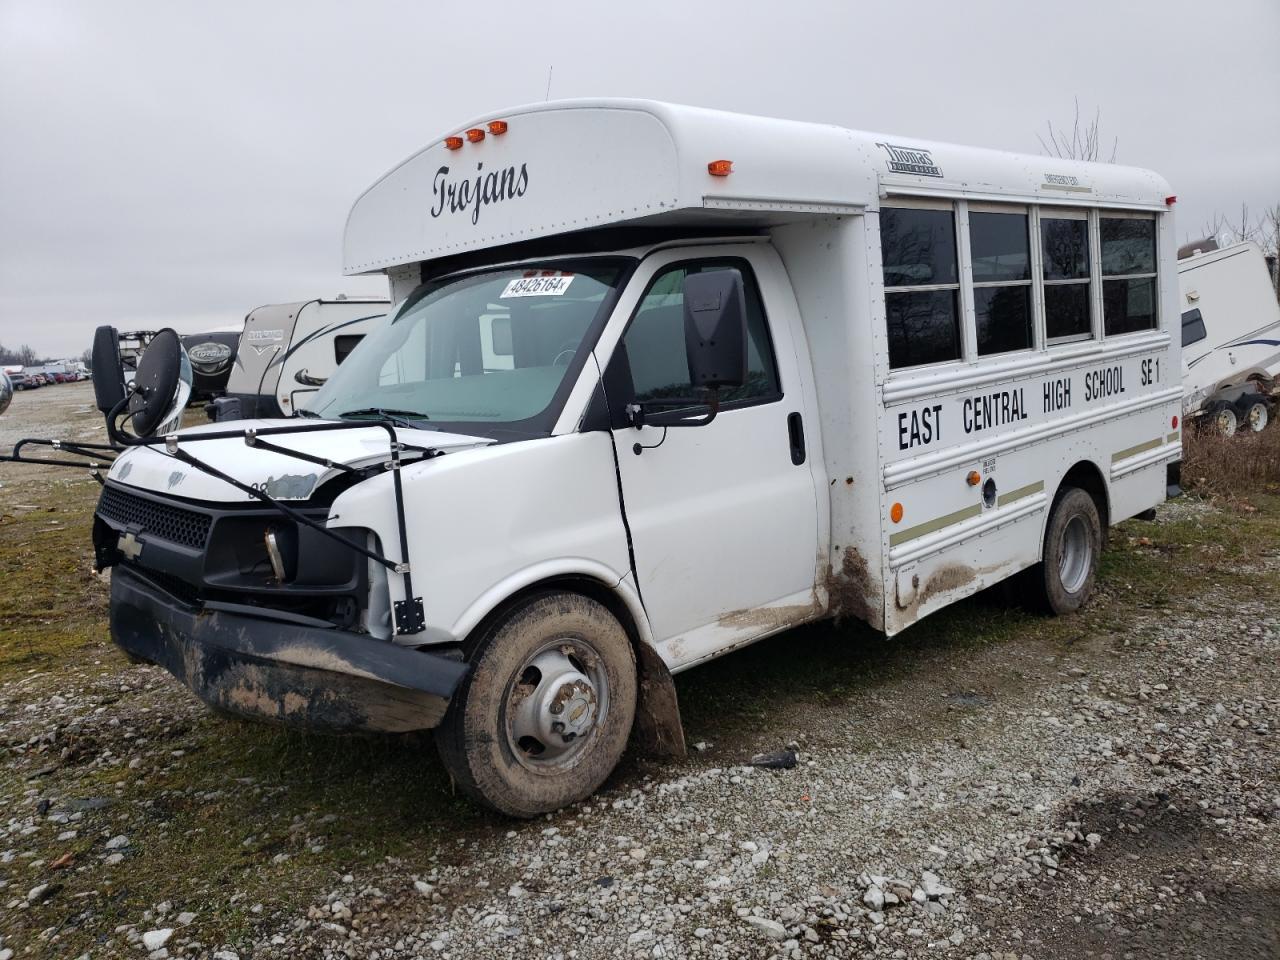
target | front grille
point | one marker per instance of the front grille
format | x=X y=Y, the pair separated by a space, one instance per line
x=165 y=521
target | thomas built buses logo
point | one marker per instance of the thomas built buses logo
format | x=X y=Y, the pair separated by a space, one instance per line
x=910 y=160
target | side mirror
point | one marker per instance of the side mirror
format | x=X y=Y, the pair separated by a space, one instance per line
x=715 y=329
x=307 y=380
x=108 y=373
x=162 y=386
x=6 y=392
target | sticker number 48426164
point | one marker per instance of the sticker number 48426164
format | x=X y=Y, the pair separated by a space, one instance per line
x=545 y=286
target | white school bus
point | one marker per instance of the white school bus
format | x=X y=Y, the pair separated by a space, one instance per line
x=660 y=382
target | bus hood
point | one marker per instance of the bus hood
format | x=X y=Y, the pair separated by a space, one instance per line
x=279 y=476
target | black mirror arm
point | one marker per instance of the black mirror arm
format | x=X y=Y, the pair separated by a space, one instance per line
x=638 y=413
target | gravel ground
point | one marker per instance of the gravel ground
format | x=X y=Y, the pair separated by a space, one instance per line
x=1110 y=789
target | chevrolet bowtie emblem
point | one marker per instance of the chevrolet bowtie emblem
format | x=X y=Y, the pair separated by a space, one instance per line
x=129 y=545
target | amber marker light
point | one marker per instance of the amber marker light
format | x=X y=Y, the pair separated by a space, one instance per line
x=497 y=127
x=475 y=135
x=720 y=168
x=974 y=478
x=895 y=512
x=453 y=143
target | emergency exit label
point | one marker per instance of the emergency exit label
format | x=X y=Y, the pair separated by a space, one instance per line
x=549 y=286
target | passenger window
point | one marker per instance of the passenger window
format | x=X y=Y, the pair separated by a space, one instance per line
x=655 y=348
x=1064 y=246
x=343 y=344
x=922 y=285
x=1193 y=330
x=1000 y=247
x=1128 y=274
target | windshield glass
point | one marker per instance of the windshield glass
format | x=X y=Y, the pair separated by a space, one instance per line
x=492 y=347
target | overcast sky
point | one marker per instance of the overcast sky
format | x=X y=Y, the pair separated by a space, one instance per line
x=172 y=163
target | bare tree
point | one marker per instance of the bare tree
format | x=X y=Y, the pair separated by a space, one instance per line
x=87 y=359
x=27 y=356
x=1079 y=143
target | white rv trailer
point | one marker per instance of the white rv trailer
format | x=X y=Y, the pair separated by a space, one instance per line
x=287 y=350
x=1230 y=337
x=934 y=367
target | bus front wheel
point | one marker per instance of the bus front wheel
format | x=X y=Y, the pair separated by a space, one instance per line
x=544 y=715
x=1072 y=549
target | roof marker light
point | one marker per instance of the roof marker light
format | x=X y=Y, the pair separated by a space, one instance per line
x=720 y=168
x=453 y=143
x=497 y=127
x=475 y=135
x=1170 y=201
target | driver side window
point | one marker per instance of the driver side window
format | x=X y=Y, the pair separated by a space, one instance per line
x=654 y=341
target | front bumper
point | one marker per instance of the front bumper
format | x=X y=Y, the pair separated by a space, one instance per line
x=270 y=669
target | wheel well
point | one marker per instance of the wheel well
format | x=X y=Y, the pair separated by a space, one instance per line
x=584 y=585
x=1088 y=478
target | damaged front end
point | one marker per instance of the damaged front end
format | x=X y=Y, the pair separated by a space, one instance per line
x=256 y=604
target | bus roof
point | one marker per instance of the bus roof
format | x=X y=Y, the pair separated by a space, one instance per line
x=572 y=165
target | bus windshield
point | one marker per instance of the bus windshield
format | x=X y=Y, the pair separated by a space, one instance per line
x=492 y=347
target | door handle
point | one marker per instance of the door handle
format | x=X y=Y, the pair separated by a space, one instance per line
x=795 y=433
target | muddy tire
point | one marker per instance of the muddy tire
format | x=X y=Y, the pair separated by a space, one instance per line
x=544 y=715
x=1064 y=580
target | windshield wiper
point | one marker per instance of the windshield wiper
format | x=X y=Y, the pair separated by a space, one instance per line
x=399 y=417
x=309 y=414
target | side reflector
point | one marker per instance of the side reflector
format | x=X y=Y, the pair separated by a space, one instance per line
x=1174 y=423
x=1170 y=201
x=475 y=135
x=453 y=143
x=497 y=127
x=720 y=168
x=974 y=478
x=895 y=512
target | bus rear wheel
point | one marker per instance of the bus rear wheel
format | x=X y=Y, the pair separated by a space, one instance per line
x=1072 y=549
x=544 y=715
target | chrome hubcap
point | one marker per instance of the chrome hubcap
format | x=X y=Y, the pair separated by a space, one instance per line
x=1076 y=555
x=555 y=703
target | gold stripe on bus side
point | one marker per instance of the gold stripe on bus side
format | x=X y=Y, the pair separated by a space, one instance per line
x=1172 y=438
x=929 y=526
x=1028 y=490
x=1134 y=451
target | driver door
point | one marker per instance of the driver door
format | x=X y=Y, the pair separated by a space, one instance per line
x=722 y=517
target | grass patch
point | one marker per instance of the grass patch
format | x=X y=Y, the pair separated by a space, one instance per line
x=52 y=605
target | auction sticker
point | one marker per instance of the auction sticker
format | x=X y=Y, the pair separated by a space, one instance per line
x=543 y=286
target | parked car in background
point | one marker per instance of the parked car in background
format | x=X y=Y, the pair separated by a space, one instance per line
x=17 y=378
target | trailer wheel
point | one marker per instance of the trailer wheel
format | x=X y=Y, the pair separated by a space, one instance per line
x=544 y=715
x=1257 y=416
x=1072 y=548
x=1224 y=420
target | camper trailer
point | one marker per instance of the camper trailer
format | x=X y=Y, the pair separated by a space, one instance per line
x=659 y=382
x=1230 y=337
x=287 y=351
x=212 y=355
